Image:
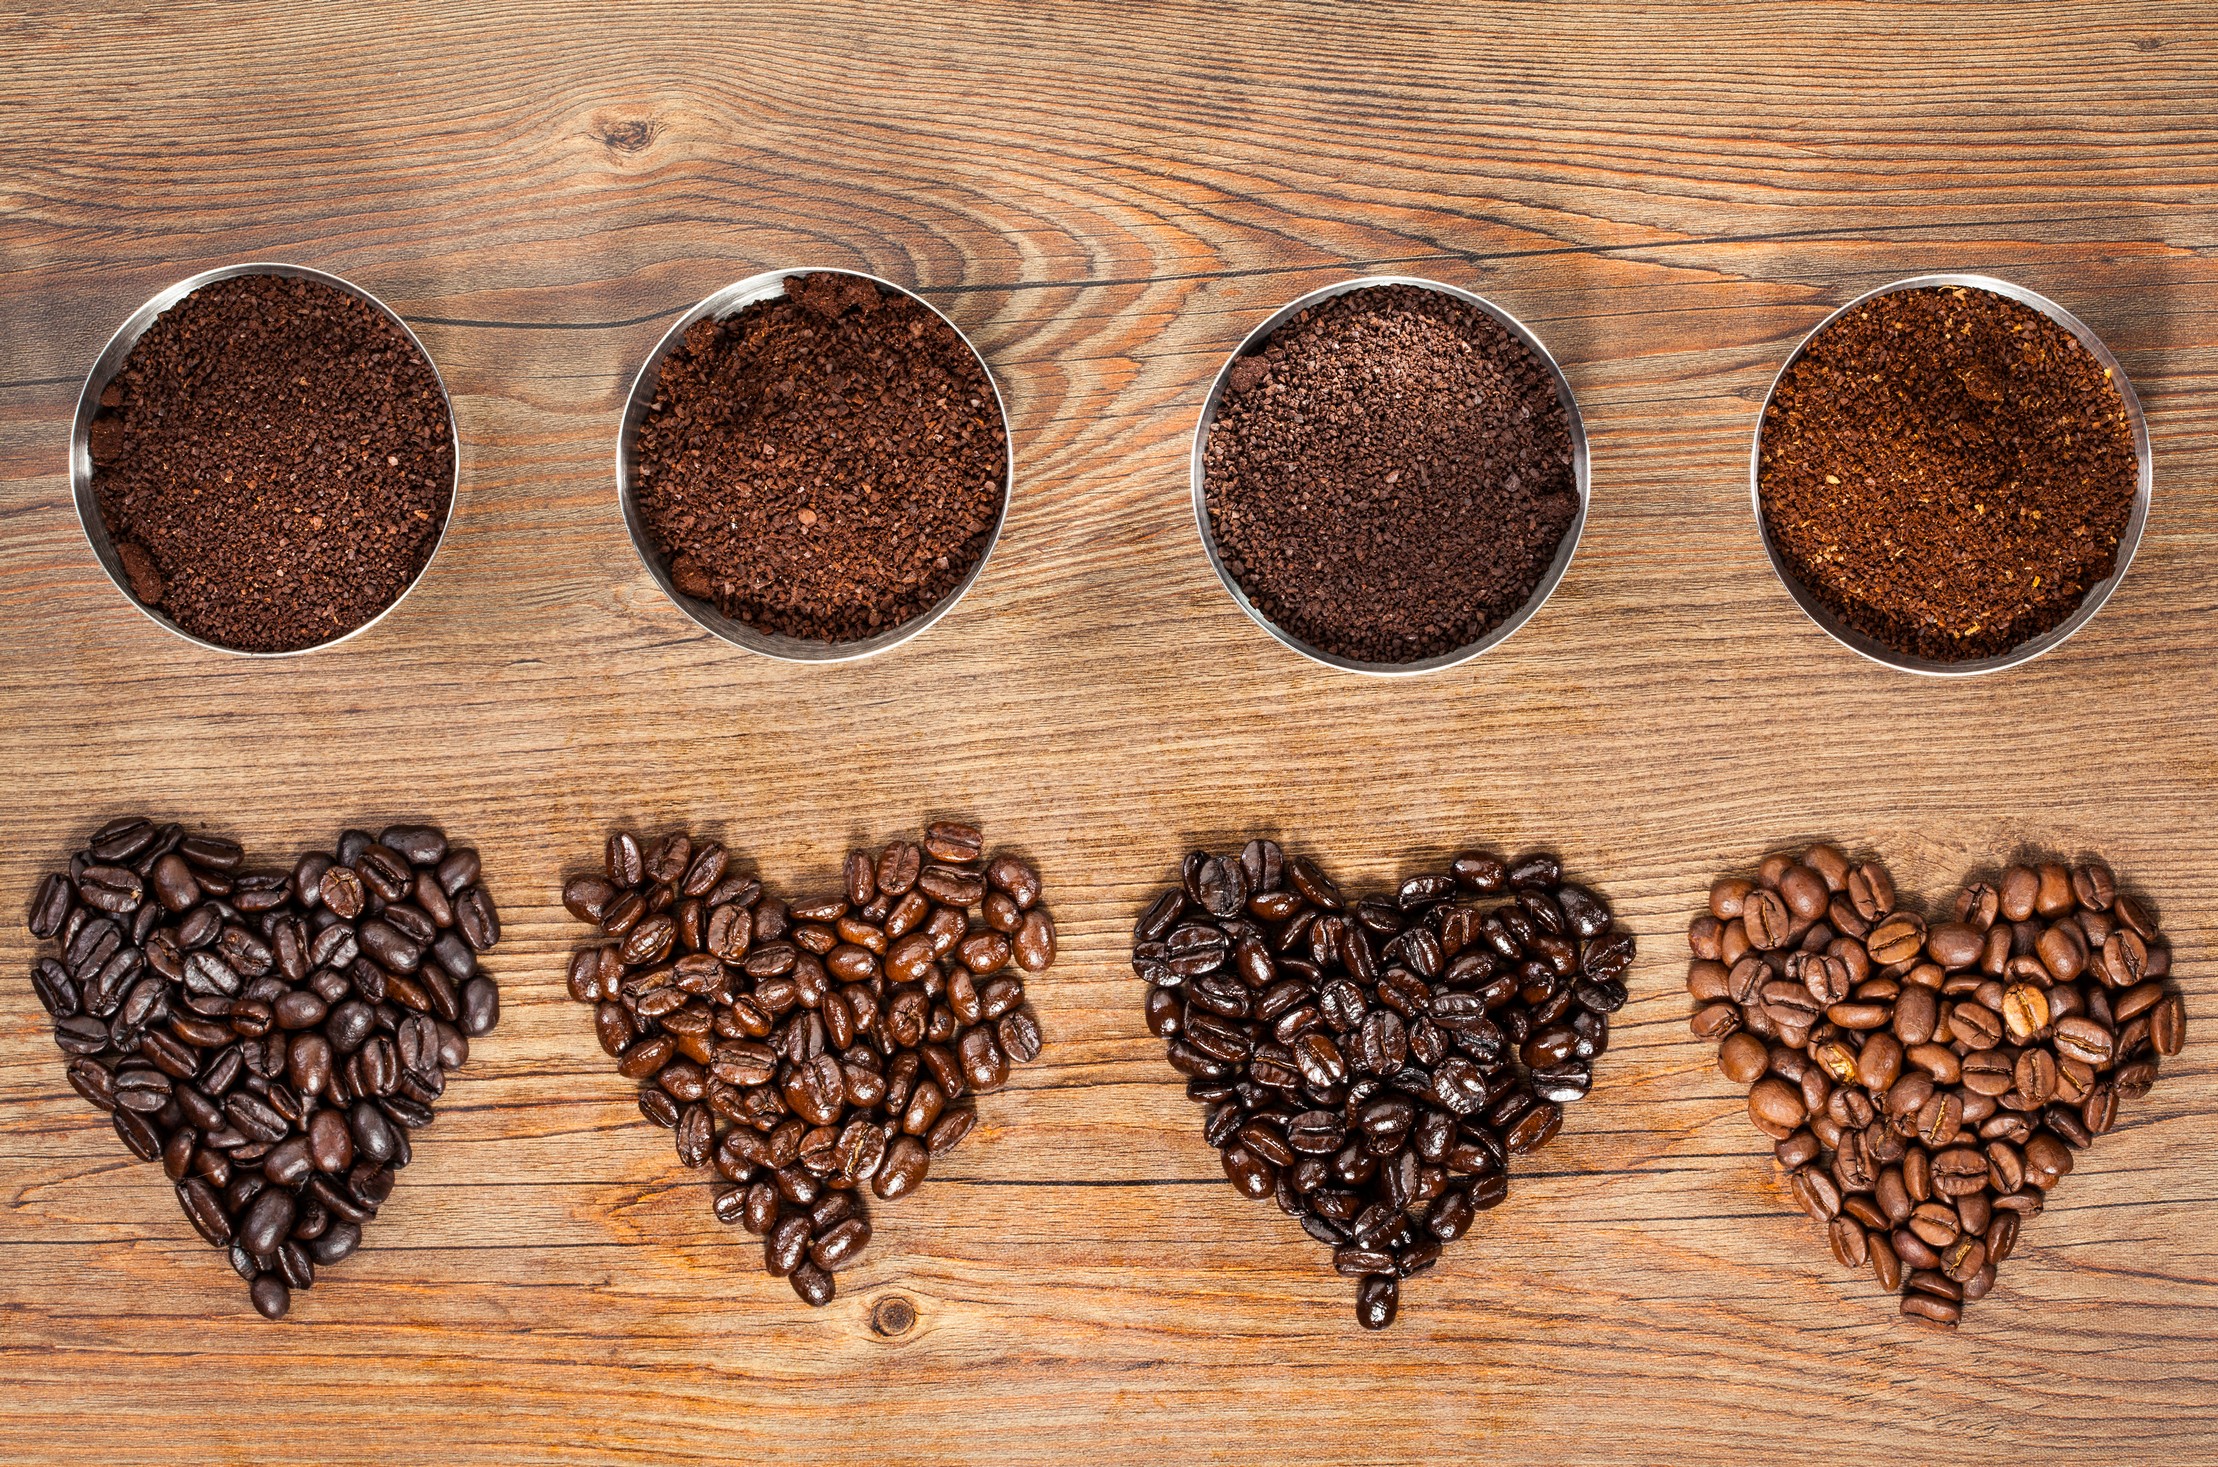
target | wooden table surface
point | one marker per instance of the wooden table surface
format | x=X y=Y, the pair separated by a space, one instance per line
x=1107 y=197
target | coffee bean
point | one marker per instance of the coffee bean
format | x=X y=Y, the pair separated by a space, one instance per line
x=1019 y=1034
x=813 y=1285
x=1766 y=919
x=1377 y=1299
x=271 y=1297
x=1034 y=941
x=1896 y=939
x=475 y=918
x=1930 y=1308
x=481 y=1007
x=948 y=840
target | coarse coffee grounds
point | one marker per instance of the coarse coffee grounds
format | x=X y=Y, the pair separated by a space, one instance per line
x=1948 y=471
x=826 y=465
x=273 y=462
x=1390 y=476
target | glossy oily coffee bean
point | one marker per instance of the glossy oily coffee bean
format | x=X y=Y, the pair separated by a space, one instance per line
x=248 y=1028
x=811 y=1051
x=1373 y=1067
x=1927 y=1081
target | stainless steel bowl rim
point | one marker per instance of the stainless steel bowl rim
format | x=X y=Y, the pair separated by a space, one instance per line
x=1566 y=548
x=2097 y=594
x=768 y=285
x=110 y=361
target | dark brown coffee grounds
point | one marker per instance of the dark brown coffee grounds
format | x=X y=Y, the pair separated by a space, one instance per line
x=826 y=465
x=1948 y=471
x=273 y=463
x=1389 y=477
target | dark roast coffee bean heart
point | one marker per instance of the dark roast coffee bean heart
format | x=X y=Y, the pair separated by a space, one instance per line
x=812 y=1050
x=1373 y=1067
x=1927 y=1082
x=272 y=1047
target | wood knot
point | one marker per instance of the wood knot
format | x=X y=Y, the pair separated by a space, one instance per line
x=631 y=135
x=892 y=1316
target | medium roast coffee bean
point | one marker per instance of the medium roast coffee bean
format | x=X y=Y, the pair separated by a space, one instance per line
x=1373 y=1070
x=253 y=1030
x=1926 y=1083
x=810 y=1050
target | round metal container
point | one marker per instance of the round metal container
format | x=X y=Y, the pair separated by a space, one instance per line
x=2096 y=595
x=770 y=285
x=1565 y=548
x=110 y=361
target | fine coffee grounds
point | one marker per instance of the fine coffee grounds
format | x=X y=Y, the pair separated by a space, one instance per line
x=826 y=465
x=1948 y=471
x=1390 y=476
x=273 y=463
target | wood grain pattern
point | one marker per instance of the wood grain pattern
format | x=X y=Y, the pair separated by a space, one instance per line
x=1106 y=197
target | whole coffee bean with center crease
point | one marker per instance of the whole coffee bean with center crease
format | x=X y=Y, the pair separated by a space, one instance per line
x=949 y=1130
x=1019 y=1035
x=476 y=919
x=1958 y=1171
x=342 y=892
x=949 y=840
x=2083 y=1039
x=1896 y=939
x=1766 y=920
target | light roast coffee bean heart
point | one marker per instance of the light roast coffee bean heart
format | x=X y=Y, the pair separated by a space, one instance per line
x=271 y=1037
x=1927 y=1082
x=1373 y=1067
x=809 y=1052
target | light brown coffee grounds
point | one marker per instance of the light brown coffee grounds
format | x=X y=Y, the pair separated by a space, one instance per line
x=826 y=465
x=273 y=463
x=1390 y=476
x=1948 y=471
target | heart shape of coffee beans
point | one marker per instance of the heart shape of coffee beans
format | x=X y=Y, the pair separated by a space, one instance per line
x=1927 y=1083
x=808 y=1051
x=271 y=1037
x=1373 y=1068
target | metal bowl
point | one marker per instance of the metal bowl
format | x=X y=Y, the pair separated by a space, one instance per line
x=110 y=361
x=2096 y=595
x=770 y=285
x=1565 y=548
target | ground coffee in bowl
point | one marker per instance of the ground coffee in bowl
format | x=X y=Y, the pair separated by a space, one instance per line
x=272 y=462
x=823 y=465
x=1389 y=476
x=1948 y=472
